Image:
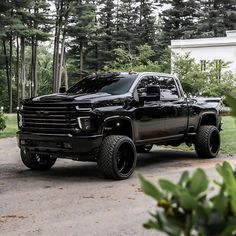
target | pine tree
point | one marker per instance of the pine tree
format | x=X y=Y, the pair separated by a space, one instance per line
x=126 y=24
x=10 y=25
x=106 y=32
x=82 y=29
x=180 y=20
x=146 y=27
x=216 y=17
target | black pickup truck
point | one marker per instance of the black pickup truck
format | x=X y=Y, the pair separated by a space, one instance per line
x=107 y=118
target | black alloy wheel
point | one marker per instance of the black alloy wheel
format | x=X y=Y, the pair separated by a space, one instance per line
x=207 y=141
x=117 y=159
x=36 y=161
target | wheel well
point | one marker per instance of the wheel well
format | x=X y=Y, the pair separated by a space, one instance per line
x=208 y=120
x=118 y=127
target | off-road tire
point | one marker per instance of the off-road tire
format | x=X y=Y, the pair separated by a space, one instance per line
x=116 y=149
x=207 y=141
x=37 y=161
x=144 y=148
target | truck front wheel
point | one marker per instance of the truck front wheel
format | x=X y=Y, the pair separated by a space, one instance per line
x=207 y=142
x=37 y=161
x=117 y=158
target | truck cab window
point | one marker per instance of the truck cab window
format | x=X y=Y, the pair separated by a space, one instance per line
x=168 y=87
x=145 y=81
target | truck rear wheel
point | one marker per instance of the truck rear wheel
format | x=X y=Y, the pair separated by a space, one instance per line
x=37 y=161
x=207 y=143
x=144 y=148
x=117 y=158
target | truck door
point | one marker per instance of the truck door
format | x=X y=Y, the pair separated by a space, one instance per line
x=149 y=117
x=175 y=107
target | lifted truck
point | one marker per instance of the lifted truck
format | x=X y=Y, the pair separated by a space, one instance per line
x=107 y=118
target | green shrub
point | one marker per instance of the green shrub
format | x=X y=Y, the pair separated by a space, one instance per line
x=2 y=120
x=190 y=207
x=231 y=101
x=139 y=62
x=212 y=81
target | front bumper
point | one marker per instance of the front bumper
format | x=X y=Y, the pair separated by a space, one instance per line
x=60 y=145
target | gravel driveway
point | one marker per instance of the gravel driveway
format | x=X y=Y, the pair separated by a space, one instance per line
x=74 y=199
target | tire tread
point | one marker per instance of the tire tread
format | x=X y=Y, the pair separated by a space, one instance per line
x=105 y=160
x=201 y=141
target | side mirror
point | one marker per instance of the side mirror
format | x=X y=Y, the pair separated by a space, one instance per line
x=153 y=93
x=62 y=89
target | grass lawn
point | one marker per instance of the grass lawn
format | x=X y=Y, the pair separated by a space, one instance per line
x=11 y=128
x=228 y=135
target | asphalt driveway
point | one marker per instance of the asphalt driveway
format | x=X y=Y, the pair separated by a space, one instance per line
x=74 y=199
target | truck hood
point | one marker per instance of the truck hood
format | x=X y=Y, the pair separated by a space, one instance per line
x=79 y=98
x=59 y=97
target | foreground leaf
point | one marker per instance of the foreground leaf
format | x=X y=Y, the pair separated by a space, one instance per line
x=150 y=189
x=199 y=182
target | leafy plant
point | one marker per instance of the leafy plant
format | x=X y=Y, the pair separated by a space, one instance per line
x=2 y=120
x=212 y=81
x=140 y=62
x=232 y=102
x=190 y=207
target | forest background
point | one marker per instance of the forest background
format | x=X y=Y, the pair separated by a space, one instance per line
x=46 y=44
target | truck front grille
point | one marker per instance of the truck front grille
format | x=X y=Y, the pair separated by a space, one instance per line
x=50 y=118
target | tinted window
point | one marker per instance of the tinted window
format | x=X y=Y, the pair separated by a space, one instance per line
x=147 y=80
x=168 y=88
x=109 y=83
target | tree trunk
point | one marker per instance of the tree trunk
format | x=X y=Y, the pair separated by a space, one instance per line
x=7 y=74
x=63 y=46
x=81 y=60
x=10 y=78
x=34 y=67
x=17 y=71
x=55 y=52
x=65 y=73
x=22 y=74
x=34 y=82
x=56 y=57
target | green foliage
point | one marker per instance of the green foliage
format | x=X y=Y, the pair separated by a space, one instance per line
x=232 y=102
x=11 y=126
x=2 y=120
x=190 y=207
x=212 y=80
x=216 y=17
x=125 y=61
x=44 y=71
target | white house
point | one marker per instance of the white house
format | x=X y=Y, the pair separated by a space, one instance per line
x=209 y=49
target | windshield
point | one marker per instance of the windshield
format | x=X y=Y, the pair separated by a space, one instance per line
x=114 y=84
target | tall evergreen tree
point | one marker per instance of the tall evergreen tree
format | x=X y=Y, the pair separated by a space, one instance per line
x=126 y=24
x=82 y=30
x=106 y=31
x=217 y=16
x=180 y=19
x=146 y=26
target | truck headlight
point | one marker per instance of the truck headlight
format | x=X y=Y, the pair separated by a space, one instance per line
x=84 y=123
x=20 y=108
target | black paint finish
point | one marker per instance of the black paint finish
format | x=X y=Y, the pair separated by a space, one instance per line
x=70 y=125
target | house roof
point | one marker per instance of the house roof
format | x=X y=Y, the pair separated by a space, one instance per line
x=205 y=42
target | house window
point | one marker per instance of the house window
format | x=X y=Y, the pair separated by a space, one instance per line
x=219 y=66
x=203 y=65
